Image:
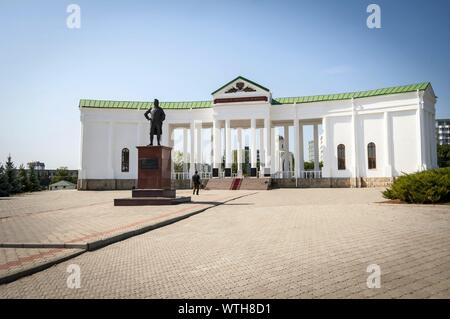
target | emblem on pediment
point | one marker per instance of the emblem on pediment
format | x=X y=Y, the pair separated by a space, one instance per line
x=240 y=87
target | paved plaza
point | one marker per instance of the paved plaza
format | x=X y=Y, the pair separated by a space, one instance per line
x=41 y=228
x=286 y=243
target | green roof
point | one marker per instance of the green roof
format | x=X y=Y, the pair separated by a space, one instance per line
x=143 y=105
x=275 y=101
x=63 y=183
x=351 y=95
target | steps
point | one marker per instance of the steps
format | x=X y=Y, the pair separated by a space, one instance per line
x=246 y=183
x=236 y=184
x=219 y=183
x=256 y=183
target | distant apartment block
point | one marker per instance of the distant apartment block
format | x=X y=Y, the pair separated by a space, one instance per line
x=443 y=131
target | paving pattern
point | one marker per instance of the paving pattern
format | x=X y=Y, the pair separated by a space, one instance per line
x=299 y=243
x=61 y=219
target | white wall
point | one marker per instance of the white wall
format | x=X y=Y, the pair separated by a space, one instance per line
x=125 y=137
x=370 y=129
x=404 y=142
x=341 y=133
x=95 y=150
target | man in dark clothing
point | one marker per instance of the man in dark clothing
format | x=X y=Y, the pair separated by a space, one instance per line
x=196 y=182
x=157 y=117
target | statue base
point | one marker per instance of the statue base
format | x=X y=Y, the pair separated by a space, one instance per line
x=154 y=179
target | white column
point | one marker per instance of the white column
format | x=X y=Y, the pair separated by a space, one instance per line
x=286 y=144
x=419 y=135
x=299 y=162
x=273 y=148
x=267 y=146
x=192 y=152
x=82 y=172
x=198 y=147
x=387 y=145
x=217 y=144
x=228 y=157
x=170 y=144
x=261 y=150
x=426 y=134
x=316 y=148
x=326 y=146
x=354 y=142
x=239 y=152
x=253 y=143
x=185 y=151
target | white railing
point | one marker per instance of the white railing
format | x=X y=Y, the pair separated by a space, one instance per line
x=279 y=175
x=311 y=174
x=303 y=174
x=187 y=175
x=205 y=175
x=182 y=175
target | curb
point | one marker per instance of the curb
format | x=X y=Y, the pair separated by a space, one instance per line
x=32 y=270
x=114 y=239
x=93 y=245
x=43 y=245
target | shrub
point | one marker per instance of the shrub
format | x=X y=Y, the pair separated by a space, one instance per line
x=427 y=187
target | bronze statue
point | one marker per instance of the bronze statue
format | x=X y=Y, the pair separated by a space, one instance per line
x=157 y=117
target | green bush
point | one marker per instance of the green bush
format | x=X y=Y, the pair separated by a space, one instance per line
x=425 y=187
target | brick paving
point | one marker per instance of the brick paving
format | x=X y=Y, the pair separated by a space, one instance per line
x=299 y=243
x=76 y=219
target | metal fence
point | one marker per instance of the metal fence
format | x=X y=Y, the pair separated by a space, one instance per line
x=303 y=174
x=187 y=175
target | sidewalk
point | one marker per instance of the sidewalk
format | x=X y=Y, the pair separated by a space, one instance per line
x=41 y=229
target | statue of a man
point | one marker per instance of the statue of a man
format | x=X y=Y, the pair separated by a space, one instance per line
x=157 y=117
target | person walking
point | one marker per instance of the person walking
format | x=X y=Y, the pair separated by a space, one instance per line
x=196 y=182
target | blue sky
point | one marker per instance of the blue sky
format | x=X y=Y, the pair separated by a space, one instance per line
x=184 y=50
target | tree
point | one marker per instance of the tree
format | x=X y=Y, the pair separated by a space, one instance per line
x=310 y=165
x=44 y=179
x=178 y=162
x=443 y=155
x=13 y=180
x=63 y=174
x=5 y=187
x=34 y=180
x=24 y=179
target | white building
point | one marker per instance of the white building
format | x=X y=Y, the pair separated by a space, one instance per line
x=443 y=131
x=368 y=136
x=311 y=150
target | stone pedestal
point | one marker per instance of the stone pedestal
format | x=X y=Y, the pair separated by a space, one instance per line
x=154 y=167
x=154 y=179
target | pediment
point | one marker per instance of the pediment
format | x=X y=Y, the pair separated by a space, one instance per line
x=241 y=89
x=240 y=84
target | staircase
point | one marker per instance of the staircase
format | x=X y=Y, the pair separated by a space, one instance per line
x=238 y=183
x=256 y=183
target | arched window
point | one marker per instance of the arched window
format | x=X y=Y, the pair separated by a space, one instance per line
x=125 y=160
x=372 y=155
x=341 y=156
